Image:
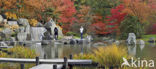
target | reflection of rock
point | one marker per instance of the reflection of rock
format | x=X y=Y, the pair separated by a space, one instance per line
x=99 y=44
x=117 y=42
x=89 y=38
x=44 y=42
x=53 y=51
x=131 y=38
x=142 y=46
x=152 y=44
x=132 y=50
x=141 y=42
x=39 y=50
x=23 y=22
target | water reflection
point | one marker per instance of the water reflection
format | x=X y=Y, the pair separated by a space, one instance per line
x=152 y=44
x=38 y=48
x=132 y=50
x=142 y=46
x=135 y=50
x=59 y=50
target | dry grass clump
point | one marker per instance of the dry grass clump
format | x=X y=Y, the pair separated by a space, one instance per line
x=17 y=52
x=106 y=56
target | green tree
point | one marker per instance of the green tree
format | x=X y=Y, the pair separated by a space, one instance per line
x=102 y=7
x=131 y=25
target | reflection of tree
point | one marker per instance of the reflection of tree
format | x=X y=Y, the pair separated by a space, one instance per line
x=67 y=50
x=39 y=50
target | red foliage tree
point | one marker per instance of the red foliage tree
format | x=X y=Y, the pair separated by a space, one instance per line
x=100 y=27
x=67 y=11
x=116 y=18
x=112 y=22
x=64 y=11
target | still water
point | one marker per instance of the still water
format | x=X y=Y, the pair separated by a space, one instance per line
x=59 y=50
x=147 y=51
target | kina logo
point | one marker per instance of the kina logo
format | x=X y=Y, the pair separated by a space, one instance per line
x=125 y=63
x=137 y=63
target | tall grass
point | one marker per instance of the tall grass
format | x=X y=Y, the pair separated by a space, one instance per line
x=17 y=52
x=106 y=56
x=110 y=55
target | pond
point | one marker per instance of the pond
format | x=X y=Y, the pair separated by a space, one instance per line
x=59 y=51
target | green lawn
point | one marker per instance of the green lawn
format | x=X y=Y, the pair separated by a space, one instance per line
x=147 y=37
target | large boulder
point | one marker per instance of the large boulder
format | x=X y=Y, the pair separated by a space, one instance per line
x=59 y=30
x=131 y=38
x=49 y=24
x=39 y=24
x=2 y=36
x=12 y=23
x=22 y=29
x=22 y=36
x=37 y=33
x=7 y=31
x=27 y=29
x=23 y=22
x=47 y=36
x=1 y=19
x=52 y=25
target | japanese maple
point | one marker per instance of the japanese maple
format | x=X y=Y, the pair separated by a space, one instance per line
x=116 y=18
x=111 y=24
x=99 y=26
x=63 y=9
x=140 y=8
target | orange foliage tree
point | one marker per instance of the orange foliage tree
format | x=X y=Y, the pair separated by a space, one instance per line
x=7 y=4
x=99 y=26
x=84 y=14
x=139 y=8
x=63 y=9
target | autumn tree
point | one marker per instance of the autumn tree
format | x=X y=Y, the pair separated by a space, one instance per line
x=139 y=8
x=83 y=18
x=8 y=5
x=102 y=7
x=100 y=27
x=62 y=11
x=116 y=17
x=127 y=27
x=112 y=23
x=145 y=10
